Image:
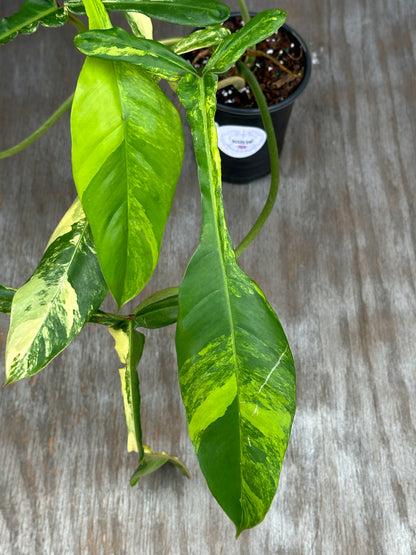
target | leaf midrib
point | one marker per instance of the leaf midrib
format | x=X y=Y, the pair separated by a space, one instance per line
x=214 y=204
x=125 y=145
x=124 y=141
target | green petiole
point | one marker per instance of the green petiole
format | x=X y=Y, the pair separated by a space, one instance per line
x=40 y=131
x=244 y=11
x=274 y=157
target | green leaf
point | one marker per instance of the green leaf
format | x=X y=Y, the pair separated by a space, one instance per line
x=153 y=461
x=129 y=345
x=233 y=47
x=182 y=12
x=236 y=370
x=6 y=298
x=127 y=151
x=30 y=14
x=51 y=308
x=158 y=314
x=201 y=39
x=117 y=44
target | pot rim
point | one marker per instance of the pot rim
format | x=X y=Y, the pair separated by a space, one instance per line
x=291 y=98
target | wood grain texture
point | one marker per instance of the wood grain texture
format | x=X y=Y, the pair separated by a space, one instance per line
x=337 y=262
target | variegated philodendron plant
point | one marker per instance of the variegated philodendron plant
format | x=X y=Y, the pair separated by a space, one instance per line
x=236 y=370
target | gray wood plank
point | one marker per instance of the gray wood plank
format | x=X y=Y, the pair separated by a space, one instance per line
x=337 y=262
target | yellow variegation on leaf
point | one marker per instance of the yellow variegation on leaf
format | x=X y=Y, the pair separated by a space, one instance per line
x=236 y=370
x=129 y=345
x=51 y=308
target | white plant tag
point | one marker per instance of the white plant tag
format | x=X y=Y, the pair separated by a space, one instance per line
x=240 y=142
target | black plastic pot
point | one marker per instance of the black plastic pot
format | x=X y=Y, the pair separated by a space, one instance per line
x=241 y=136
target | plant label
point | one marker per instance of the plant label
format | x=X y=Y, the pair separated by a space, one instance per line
x=239 y=141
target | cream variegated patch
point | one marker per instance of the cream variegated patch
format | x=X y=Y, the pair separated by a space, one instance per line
x=20 y=341
x=121 y=344
x=126 y=391
x=37 y=307
x=140 y=23
x=74 y=215
x=68 y=300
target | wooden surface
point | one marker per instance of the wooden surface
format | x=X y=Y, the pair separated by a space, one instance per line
x=337 y=262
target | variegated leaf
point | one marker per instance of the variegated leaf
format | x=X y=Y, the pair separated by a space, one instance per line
x=127 y=150
x=6 y=298
x=140 y=24
x=182 y=12
x=118 y=45
x=31 y=14
x=233 y=47
x=201 y=39
x=236 y=370
x=153 y=461
x=129 y=345
x=51 y=308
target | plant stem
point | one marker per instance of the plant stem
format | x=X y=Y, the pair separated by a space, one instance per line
x=44 y=127
x=274 y=157
x=76 y=22
x=237 y=82
x=243 y=10
x=273 y=60
x=107 y=319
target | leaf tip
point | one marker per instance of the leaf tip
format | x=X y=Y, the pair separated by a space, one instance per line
x=133 y=480
x=238 y=531
x=8 y=381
